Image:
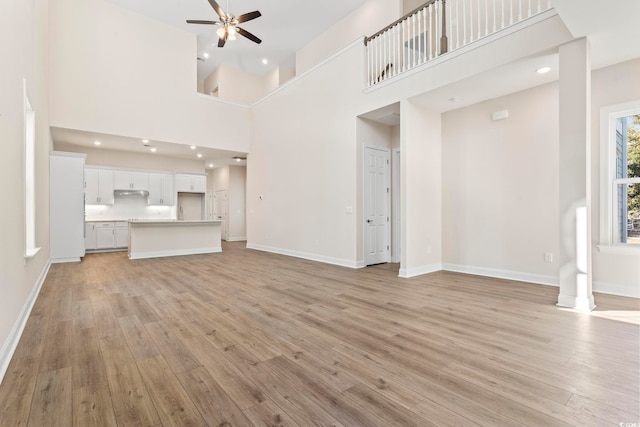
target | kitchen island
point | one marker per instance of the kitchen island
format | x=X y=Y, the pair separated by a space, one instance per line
x=170 y=237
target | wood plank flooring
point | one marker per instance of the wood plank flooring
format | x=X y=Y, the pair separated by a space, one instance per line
x=246 y=338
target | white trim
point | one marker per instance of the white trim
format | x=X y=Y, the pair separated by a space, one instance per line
x=11 y=343
x=608 y=115
x=236 y=239
x=306 y=255
x=396 y=220
x=503 y=274
x=576 y=303
x=543 y=16
x=356 y=42
x=631 y=290
x=178 y=252
x=418 y=271
x=364 y=199
x=221 y=100
x=30 y=253
x=63 y=260
x=619 y=249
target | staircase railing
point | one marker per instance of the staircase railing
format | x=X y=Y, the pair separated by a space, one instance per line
x=438 y=27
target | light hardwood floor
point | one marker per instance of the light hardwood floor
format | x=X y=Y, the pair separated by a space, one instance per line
x=247 y=338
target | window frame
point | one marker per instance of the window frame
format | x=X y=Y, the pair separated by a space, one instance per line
x=609 y=235
x=29 y=178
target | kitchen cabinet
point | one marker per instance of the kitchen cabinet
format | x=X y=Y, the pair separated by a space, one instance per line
x=105 y=235
x=189 y=183
x=66 y=206
x=125 y=180
x=98 y=185
x=160 y=189
x=90 y=241
x=122 y=234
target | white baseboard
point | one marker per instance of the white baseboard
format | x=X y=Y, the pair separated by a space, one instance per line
x=11 y=343
x=236 y=239
x=63 y=260
x=617 y=289
x=418 y=271
x=179 y=252
x=306 y=255
x=503 y=274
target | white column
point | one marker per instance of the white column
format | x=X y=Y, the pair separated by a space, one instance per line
x=575 y=176
x=420 y=190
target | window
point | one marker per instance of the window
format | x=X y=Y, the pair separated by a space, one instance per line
x=620 y=176
x=29 y=177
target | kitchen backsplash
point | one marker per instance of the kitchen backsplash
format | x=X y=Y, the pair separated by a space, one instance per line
x=125 y=208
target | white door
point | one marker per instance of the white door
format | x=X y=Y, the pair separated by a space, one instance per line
x=220 y=211
x=376 y=205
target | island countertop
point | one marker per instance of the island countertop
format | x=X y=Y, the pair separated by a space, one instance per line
x=172 y=221
x=152 y=238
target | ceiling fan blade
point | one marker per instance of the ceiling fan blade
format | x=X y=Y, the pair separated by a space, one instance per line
x=195 y=21
x=248 y=16
x=222 y=41
x=217 y=8
x=248 y=35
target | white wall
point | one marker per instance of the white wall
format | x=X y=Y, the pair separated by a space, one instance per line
x=116 y=72
x=131 y=160
x=617 y=84
x=240 y=86
x=366 y=20
x=23 y=47
x=303 y=164
x=500 y=185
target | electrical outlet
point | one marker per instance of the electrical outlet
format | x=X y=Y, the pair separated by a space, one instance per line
x=548 y=257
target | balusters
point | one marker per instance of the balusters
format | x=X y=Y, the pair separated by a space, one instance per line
x=457 y=25
x=486 y=17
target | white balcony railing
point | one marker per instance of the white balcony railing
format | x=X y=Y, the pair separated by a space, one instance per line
x=438 y=27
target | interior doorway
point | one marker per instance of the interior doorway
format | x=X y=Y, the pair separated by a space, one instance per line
x=377 y=205
x=220 y=211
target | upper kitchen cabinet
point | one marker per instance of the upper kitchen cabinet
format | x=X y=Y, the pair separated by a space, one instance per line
x=98 y=186
x=160 y=189
x=125 y=180
x=189 y=183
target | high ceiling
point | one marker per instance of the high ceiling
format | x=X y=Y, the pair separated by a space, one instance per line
x=284 y=27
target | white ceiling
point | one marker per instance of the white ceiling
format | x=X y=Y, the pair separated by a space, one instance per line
x=111 y=142
x=284 y=27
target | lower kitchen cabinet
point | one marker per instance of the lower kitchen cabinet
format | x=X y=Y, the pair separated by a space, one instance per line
x=122 y=234
x=106 y=235
x=90 y=236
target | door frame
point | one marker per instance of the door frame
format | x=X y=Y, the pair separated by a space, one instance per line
x=396 y=225
x=363 y=225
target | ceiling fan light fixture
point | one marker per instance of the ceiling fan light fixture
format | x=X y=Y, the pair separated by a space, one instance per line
x=220 y=32
x=231 y=30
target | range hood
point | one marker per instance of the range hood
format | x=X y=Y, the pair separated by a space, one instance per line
x=131 y=193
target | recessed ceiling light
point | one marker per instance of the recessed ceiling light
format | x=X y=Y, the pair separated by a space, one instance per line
x=210 y=165
x=206 y=55
x=265 y=61
x=97 y=142
x=154 y=149
x=193 y=147
x=199 y=155
x=146 y=141
x=543 y=70
x=454 y=99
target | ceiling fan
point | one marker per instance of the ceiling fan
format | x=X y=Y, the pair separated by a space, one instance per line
x=229 y=24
